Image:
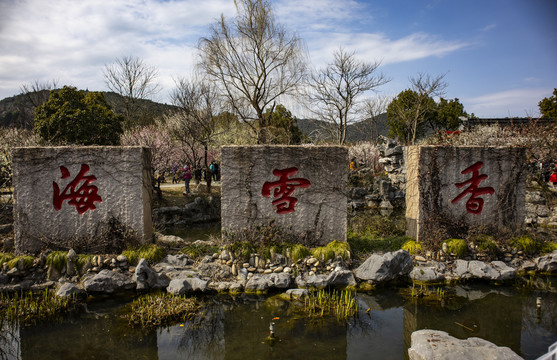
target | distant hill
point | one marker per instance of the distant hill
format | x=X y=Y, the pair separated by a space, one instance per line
x=18 y=110
x=360 y=131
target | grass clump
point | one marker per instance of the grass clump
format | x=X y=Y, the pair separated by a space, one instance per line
x=342 y=304
x=486 y=244
x=362 y=246
x=28 y=307
x=332 y=250
x=198 y=250
x=548 y=247
x=57 y=260
x=151 y=252
x=25 y=259
x=5 y=257
x=412 y=247
x=526 y=243
x=83 y=259
x=457 y=247
x=298 y=252
x=154 y=310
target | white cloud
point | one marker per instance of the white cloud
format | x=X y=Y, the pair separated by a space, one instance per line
x=508 y=103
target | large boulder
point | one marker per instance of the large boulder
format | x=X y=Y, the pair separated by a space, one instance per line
x=495 y=271
x=147 y=278
x=186 y=285
x=381 y=268
x=68 y=289
x=341 y=278
x=430 y=273
x=264 y=282
x=438 y=345
x=108 y=282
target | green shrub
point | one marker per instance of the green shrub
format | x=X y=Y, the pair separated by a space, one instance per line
x=242 y=249
x=486 y=244
x=151 y=252
x=57 y=260
x=412 y=247
x=197 y=251
x=549 y=247
x=155 y=310
x=82 y=259
x=323 y=253
x=458 y=247
x=526 y=243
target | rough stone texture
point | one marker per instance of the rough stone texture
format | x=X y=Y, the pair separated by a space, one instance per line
x=432 y=174
x=320 y=212
x=186 y=285
x=438 y=345
x=547 y=263
x=68 y=289
x=381 y=268
x=494 y=271
x=264 y=282
x=146 y=278
x=341 y=278
x=430 y=273
x=123 y=180
x=297 y=294
x=109 y=282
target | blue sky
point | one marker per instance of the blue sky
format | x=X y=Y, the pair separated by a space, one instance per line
x=499 y=56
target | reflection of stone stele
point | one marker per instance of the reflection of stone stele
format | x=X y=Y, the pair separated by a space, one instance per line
x=55 y=205
x=470 y=186
x=315 y=203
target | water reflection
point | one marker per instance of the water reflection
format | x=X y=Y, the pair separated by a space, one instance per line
x=236 y=328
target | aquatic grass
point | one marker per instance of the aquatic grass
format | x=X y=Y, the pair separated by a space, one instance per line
x=5 y=257
x=342 y=304
x=29 y=307
x=150 y=252
x=57 y=260
x=458 y=247
x=26 y=260
x=412 y=247
x=162 y=309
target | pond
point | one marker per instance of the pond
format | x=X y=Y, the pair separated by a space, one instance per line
x=236 y=328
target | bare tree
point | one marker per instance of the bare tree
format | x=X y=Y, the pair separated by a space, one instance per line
x=132 y=78
x=335 y=91
x=36 y=93
x=196 y=119
x=254 y=60
x=414 y=109
x=373 y=108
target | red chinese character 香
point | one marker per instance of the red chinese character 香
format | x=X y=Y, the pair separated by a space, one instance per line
x=83 y=198
x=474 y=205
x=283 y=188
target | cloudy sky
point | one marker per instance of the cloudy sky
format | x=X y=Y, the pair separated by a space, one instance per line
x=499 y=56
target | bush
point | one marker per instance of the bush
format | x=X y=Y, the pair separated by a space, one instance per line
x=298 y=252
x=458 y=247
x=485 y=244
x=57 y=260
x=5 y=257
x=527 y=244
x=412 y=247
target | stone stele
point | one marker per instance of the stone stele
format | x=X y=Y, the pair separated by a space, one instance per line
x=71 y=196
x=457 y=188
x=301 y=189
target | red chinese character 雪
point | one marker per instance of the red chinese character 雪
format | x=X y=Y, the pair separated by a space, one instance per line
x=474 y=205
x=283 y=188
x=83 y=198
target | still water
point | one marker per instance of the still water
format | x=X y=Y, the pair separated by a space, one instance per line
x=236 y=328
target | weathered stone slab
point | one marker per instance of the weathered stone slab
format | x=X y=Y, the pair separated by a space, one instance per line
x=300 y=188
x=80 y=197
x=454 y=188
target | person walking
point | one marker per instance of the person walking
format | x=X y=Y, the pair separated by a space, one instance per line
x=187 y=179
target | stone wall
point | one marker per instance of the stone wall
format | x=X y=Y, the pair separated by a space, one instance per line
x=302 y=189
x=74 y=196
x=464 y=187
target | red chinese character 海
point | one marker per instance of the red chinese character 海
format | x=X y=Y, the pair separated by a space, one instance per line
x=284 y=187
x=474 y=205
x=83 y=198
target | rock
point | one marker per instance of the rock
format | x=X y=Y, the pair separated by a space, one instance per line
x=264 y=282
x=438 y=345
x=297 y=294
x=186 y=285
x=147 y=278
x=68 y=289
x=547 y=263
x=70 y=263
x=496 y=271
x=433 y=272
x=178 y=262
x=341 y=278
x=312 y=281
x=109 y=282
x=381 y=268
